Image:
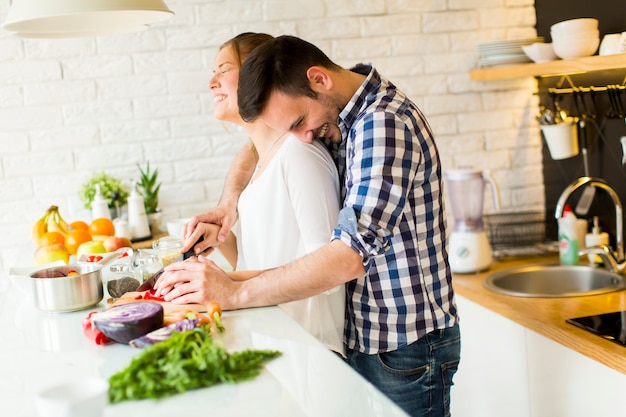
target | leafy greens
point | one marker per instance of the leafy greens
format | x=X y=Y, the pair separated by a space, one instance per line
x=187 y=360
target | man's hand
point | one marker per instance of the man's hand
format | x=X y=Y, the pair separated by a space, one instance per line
x=197 y=280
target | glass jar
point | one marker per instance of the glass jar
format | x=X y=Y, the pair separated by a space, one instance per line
x=121 y=279
x=168 y=248
x=146 y=265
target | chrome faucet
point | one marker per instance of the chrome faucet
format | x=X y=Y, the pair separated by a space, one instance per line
x=612 y=260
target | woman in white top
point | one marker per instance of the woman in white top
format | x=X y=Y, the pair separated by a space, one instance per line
x=290 y=206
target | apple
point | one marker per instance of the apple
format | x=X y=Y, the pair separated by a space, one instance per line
x=50 y=253
x=91 y=247
x=113 y=243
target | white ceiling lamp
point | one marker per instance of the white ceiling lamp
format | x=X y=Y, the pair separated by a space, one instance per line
x=82 y=18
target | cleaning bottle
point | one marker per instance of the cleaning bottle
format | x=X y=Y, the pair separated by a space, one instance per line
x=137 y=217
x=99 y=206
x=596 y=238
x=568 y=237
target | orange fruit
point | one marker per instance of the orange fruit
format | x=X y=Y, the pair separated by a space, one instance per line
x=75 y=238
x=51 y=238
x=102 y=226
x=79 y=224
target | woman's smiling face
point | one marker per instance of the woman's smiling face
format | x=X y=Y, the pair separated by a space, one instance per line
x=223 y=85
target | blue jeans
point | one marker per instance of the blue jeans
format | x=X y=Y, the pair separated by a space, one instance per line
x=417 y=377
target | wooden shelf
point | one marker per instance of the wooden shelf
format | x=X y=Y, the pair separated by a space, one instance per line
x=553 y=68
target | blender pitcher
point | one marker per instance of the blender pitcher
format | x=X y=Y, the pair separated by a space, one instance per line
x=469 y=249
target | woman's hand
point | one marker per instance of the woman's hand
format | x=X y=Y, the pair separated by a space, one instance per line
x=210 y=231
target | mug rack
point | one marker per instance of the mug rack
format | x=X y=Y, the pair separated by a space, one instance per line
x=586 y=99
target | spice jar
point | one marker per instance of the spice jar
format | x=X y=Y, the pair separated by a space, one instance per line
x=146 y=265
x=121 y=281
x=168 y=248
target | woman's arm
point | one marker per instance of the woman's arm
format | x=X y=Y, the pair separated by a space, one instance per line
x=225 y=213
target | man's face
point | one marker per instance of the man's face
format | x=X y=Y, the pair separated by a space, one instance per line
x=304 y=117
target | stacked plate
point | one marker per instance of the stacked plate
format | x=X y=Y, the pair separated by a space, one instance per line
x=500 y=53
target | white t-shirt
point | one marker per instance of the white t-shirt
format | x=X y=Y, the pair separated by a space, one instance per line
x=286 y=213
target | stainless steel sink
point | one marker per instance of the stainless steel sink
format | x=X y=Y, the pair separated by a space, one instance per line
x=554 y=281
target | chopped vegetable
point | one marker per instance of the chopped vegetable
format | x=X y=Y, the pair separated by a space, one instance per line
x=176 y=316
x=187 y=360
x=164 y=333
x=72 y=273
x=94 y=258
x=151 y=295
x=215 y=312
x=92 y=333
x=126 y=322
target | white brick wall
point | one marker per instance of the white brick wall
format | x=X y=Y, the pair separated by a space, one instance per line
x=69 y=107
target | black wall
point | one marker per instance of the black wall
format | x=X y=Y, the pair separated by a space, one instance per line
x=603 y=129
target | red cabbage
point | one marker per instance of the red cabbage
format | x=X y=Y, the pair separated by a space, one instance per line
x=126 y=322
x=163 y=333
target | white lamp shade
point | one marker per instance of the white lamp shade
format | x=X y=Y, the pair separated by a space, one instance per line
x=81 y=18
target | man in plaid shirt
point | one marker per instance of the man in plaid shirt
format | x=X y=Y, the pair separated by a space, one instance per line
x=389 y=246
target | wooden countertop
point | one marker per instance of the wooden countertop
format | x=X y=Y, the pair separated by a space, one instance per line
x=547 y=316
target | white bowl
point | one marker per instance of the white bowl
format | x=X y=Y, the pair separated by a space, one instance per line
x=175 y=227
x=610 y=44
x=83 y=398
x=576 y=48
x=586 y=34
x=575 y=25
x=540 y=52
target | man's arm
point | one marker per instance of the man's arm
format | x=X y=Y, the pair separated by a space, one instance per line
x=225 y=214
x=333 y=264
x=202 y=281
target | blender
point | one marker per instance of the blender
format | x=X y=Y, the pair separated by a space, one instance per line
x=469 y=249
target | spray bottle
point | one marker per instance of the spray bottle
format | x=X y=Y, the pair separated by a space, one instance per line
x=568 y=237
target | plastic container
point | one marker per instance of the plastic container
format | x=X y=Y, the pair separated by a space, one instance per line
x=568 y=237
x=596 y=238
x=99 y=206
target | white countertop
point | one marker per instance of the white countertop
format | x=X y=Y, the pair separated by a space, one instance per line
x=39 y=350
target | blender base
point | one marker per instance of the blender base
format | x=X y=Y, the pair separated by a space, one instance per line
x=469 y=251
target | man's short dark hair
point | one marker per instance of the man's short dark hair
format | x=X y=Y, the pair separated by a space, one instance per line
x=281 y=65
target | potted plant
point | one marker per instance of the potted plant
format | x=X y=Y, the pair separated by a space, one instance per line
x=149 y=187
x=111 y=188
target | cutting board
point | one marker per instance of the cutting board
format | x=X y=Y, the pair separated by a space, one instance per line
x=168 y=308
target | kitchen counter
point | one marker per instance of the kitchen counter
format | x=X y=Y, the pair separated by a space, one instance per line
x=38 y=350
x=547 y=316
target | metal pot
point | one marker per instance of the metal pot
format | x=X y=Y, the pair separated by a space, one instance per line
x=55 y=292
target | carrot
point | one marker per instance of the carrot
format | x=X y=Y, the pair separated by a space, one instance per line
x=215 y=312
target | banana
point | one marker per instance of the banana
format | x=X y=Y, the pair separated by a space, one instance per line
x=56 y=223
x=62 y=223
x=39 y=228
